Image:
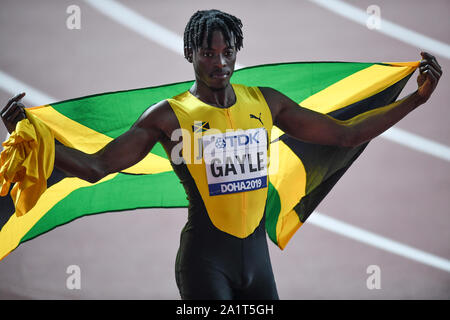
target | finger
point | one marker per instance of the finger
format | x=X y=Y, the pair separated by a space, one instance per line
x=21 y=106
x=431 y=66
x=436 y=65
x=432 y=62
x=13 y=115
x=19 y=117
x=8 y=111
x=426 y=55
x=423 y=66
x=16 y=98
x=22 y=110
x=17 y=114
x=437 y=73
x=6 y=116
x=431 y=77
x=431 y=58
x=424 y=63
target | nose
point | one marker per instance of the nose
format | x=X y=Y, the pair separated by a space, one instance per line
x=221 y=61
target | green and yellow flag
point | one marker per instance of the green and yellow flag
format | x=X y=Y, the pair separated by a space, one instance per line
x=305 y=172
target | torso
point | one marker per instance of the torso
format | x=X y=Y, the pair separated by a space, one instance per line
x=232 y=184
x=223 y=250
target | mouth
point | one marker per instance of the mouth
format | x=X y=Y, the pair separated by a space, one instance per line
x=220 y=74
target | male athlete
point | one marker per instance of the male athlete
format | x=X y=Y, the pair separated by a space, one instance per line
x=223 y=251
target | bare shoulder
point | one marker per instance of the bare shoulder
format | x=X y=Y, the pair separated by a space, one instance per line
x=268 y=92
x=155 y=110
x=272 y=96
x=159 y=116
x=275 y=100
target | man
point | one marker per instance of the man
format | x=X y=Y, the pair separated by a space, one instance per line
x=223 y=250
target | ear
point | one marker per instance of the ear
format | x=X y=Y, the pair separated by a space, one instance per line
x=188 y=54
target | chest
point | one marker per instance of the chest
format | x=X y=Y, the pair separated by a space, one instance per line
x=235 y=118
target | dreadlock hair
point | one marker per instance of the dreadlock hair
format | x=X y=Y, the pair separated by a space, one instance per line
x=205 y=22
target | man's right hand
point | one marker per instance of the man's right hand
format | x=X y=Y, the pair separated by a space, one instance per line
x=13 y=112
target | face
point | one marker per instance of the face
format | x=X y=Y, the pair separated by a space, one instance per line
x=214 y=65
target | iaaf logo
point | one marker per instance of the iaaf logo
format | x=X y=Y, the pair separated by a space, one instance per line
x=237 y=140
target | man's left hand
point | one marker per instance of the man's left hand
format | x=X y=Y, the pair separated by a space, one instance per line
x=430 y=73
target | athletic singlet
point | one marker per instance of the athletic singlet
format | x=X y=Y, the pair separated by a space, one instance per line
x=223 y=250
x=226 y=153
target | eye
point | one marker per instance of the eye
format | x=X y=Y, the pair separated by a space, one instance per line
x=229 y=53
x=207 y=54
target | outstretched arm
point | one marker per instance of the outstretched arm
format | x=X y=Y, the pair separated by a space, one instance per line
x=314 y=127
x=121 y=153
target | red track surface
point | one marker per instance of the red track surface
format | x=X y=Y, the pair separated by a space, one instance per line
x=391 y=190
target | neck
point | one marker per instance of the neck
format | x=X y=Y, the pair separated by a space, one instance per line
x=222 y=98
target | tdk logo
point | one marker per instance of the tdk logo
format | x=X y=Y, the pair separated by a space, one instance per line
x=238 y=140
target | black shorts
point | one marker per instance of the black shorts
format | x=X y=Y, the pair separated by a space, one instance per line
x=213 y=265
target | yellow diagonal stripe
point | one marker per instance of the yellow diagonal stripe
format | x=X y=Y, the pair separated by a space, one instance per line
x=286 y=170
x=369 y=81
x=291 y=223
x=17 y=227
x=337 y=95
x=75 y=135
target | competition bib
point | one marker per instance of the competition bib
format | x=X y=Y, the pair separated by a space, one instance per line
x=236 y=161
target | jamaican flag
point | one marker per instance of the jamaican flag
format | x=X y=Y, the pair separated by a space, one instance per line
x=305 y=172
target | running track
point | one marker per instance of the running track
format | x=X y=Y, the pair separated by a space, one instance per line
x=391 y=209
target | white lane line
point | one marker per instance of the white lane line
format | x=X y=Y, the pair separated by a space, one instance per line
x=386 y=27
x=141 y=25
x=138 y=23
x=168 y=39
x=417 y=143
x=14 y=86
x=344 y=229
x=36 y=97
